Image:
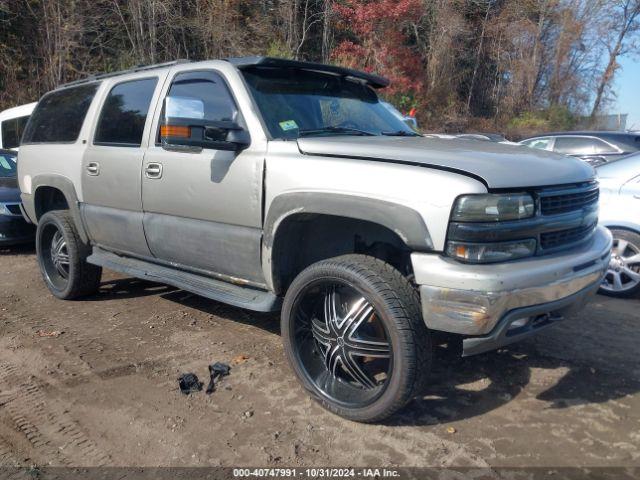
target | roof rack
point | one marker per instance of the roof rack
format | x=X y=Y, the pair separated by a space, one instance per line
x=139 y=68
x=376 y=81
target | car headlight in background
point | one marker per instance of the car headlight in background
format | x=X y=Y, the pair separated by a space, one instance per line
x=493 y=207
x=491 y=252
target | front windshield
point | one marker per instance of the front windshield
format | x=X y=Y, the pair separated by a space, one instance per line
x=7 y=165
x=296 y=103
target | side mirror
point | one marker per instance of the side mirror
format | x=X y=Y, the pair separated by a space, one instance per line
x=184 y=127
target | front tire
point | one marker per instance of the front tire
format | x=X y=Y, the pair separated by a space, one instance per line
x=62 y=257
x=355 y=338
x=623 y=276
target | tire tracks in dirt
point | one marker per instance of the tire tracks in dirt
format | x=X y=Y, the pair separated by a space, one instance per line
x=52 y=433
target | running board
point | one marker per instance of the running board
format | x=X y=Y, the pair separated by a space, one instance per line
x=239 y=296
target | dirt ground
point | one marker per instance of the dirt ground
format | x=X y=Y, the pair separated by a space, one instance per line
x=93 y=382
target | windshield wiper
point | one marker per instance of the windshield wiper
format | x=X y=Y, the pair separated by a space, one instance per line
x=401 y=133
x=343 y=130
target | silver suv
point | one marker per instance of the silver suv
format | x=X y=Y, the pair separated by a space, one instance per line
x=280 y=185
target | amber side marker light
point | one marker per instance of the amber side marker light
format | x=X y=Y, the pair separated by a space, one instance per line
x=175 y=131
x=461 y=251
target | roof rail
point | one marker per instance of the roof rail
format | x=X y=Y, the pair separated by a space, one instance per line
x=138 y=68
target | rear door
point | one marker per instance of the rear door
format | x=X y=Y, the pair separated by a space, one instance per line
x=112 y=164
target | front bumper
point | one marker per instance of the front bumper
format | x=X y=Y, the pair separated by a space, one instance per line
x=15 y=230
x=492 y=301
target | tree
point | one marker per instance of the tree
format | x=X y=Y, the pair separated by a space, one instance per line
x=622 y=29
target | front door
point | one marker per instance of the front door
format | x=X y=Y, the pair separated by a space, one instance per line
x=202 y=207
x=111 y=168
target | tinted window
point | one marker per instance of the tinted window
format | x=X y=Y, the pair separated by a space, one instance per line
x=125 y=112
x=209 y=88
x=12 y=130
x=574 y=145
x=7 y=165
x=59 y=115
x=204 y=96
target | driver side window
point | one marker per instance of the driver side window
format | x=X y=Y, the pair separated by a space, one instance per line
x=207 y=93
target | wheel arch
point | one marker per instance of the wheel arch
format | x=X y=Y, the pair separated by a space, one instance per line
x=357 y=225
x=51 y=192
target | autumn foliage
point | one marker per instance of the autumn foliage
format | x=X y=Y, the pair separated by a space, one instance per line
x=461 y=64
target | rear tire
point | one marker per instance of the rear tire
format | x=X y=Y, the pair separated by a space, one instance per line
x=62 y=257
x=354 y=335
x=622 y=279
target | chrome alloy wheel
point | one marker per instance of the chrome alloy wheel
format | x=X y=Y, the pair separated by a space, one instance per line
x=60 y=254
x=55 y=256
x=342 y=344
x=624 y=267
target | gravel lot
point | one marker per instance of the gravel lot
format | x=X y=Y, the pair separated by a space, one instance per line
x=93 y=382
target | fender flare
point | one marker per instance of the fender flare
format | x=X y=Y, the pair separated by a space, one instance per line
x=404 y=221
x=65 y=185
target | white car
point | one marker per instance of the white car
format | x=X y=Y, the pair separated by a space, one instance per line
x=12 y=124
x=620 y=212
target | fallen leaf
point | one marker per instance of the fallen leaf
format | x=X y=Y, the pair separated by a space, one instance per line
x=54 y=333
x=240 y=359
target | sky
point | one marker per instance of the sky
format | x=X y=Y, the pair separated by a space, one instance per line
x=627 y=88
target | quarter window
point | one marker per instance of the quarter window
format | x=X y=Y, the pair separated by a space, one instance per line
x=124 y=113
x=59 y=115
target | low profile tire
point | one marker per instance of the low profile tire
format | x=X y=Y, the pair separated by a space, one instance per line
x=354 y=336
x=623 y=276
x=62 y=257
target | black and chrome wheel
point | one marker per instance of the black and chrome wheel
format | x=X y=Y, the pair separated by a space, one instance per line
x=623 y=276
x=62 y=257
x=355 y=338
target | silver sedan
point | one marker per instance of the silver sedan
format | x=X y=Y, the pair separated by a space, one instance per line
x=620 y=212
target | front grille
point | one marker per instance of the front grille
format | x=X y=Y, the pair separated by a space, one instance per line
x=571 y=200
x=560 y=238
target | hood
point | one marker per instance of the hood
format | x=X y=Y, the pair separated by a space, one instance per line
x=496 y=165
x=9 y=191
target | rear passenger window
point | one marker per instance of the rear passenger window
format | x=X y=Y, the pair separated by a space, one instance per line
x=124 y=113
x=59 y=115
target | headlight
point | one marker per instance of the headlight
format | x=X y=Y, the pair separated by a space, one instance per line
x=493 y=207
x=491 y=252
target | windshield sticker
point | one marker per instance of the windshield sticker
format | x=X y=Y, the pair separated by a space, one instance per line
x=288 y=125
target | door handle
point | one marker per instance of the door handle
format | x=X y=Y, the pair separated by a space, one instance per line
x=153 y=170
x=93 y=168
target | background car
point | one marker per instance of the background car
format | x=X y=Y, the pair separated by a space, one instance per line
x=620 y=212
x=13 y=227
x=408 y=119
x=12 y=123
x=595 y=148
x=485 y=137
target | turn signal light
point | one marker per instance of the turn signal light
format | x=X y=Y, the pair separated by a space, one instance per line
x=175 y=131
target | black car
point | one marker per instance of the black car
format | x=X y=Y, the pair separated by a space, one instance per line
x=595 y=148
x=13 y=227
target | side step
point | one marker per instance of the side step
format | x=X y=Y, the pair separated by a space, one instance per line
x=239 y=296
